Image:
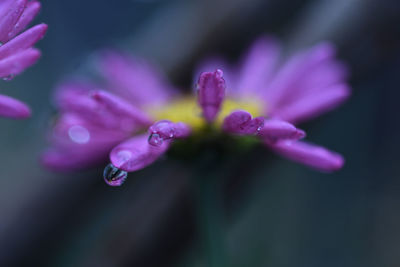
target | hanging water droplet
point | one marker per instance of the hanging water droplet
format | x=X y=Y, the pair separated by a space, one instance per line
x=114 y=176
x=155 y=139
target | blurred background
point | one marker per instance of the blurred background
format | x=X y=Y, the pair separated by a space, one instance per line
x=277 y=214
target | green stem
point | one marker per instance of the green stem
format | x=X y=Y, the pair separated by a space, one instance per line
x=209 y=185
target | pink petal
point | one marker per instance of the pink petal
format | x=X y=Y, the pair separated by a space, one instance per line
x=211 y=92
x=17 y=63
x=68 y=91
x=241 y=122
x=13 y=108
x=141 y=83
x=313 y=105
x=167 y=130
x=311 y=155
x=33 y=7
x=136 y=153
x=4 y=7
x=23 y=41
x=120 y=107
x=328 y=74
x=287 y=84
x=71 y=131
x=100 y=108
x=214 y=63
x=274 y=130
x=76 y=144
x=10 y=18
x=258 y=65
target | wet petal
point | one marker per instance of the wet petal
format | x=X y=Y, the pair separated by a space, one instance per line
x=9 y=18
x=17 y=63
x=308 y=154
x=214 y=63
x=241 y=122
x=314 y=105
x=167 y=130
x=31 y=10
x=13 y=108
x=77 y=144
x=211 y=92
x=70 y=131
x=136 y=153
x=274 y=130
x=23 y=41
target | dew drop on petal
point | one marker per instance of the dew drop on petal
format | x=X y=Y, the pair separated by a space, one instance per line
x=155 y=139
x=114 y=176
x=219 y=73
x=79 y=134
x=124 y=155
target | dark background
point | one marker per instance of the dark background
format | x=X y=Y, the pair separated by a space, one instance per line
x=275 y=212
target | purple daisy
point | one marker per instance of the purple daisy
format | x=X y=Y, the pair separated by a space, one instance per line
x=16 y=52
x=138 y=118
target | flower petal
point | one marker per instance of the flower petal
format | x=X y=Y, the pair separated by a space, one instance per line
x=31 y=10
x=17 y=63
x=288 y=84
x=120 y=107
x=71 y=130
x=9 y=18
x=23 y=41
x=211 y=92
x=214 y=63
x=274 y=130
x=141 y=83
x=257 y=66
x=167 y=130
x=241 y=122
x=313 y=105
x=13 y=108
x=76 y=144
x=100 y=107
x=308 y=154
x=136 y=153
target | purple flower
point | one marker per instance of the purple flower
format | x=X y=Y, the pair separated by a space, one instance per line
x=138 y=118
x=308 y=84
x=16 y=52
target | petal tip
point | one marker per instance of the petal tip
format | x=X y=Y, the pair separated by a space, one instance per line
x=211 y=92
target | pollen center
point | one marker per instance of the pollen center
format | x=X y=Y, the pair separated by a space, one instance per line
x=186 y=109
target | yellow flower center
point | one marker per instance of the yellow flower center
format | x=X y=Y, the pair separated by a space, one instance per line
x=187 y=110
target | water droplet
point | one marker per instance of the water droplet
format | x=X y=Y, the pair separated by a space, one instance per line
x=219 y=73
x=114 y=176
x=79 y=134
x=124 y=155
x=1 y=43
x=155 y=139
